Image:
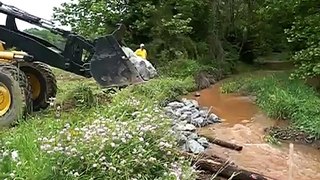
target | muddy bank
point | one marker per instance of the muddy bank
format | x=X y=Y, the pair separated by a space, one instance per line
x=244 y=124
x=290 y=134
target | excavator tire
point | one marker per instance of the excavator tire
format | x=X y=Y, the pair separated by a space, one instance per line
x=52 y=87
x=43 y=83
x=15 y=95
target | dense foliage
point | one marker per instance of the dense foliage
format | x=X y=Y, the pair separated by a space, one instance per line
x=55 y=39
x=299 y=20
x=217 y=31
x=171 y=29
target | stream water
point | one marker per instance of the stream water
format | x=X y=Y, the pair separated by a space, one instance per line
x=244 y=124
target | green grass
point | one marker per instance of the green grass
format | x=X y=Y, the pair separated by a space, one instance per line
x=283 y=56
x=184 y=68
x=125 y=137
x=281 y=98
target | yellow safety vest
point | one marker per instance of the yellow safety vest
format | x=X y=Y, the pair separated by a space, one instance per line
x=142 y=53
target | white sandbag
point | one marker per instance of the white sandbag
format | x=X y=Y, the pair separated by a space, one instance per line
x=144 y=67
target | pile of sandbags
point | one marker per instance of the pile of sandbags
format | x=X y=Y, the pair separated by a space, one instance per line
x=143 y=66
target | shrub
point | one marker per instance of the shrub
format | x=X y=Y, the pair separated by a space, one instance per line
x=184 y=68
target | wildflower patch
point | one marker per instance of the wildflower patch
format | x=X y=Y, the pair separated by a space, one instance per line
x=128 y=137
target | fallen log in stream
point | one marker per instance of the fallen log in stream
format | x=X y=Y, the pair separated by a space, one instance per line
x=221 y=167
x=224 y=143
x=227 y=171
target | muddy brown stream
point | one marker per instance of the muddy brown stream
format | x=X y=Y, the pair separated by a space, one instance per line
x=244 y=124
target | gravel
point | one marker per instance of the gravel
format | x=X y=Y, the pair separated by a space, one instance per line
x=187 y=116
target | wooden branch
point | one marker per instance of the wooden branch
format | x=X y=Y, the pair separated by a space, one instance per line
x=228 y=171
x=222 y=167
x=224 y=144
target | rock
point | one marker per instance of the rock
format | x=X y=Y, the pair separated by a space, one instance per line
x=203 y=113
x=183 y=123
x=195 y=115
x=190 y=127
x=187 y=127
x=183 y=117
x=185 y=109
x=209 y=122
x=194 y=146
x=190 y=106
x=186 y=133
x=167 y=109
x=204 y=142
x=205 y=123
x=182 y=139
x=175 y=104
x=213 y=118
x=197 y=94
x=186 y=116
x=185 y=101
x=195 y=103
x=198 y=121
x=188 y=113
x=193 y=136
x=184 y=147
x=177 y=113
x=194 y=111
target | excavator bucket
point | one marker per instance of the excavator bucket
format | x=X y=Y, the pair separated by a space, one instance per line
x=110 y=66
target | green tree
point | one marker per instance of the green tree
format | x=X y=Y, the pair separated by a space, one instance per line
x=174 y=28
x=300 y=21
x=54 y=39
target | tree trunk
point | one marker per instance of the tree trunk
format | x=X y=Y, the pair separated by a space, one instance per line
x=218 y=166
x=224 y=144
x=228 y=171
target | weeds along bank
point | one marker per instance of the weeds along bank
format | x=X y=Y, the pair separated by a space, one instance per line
x=282 y=99
x=123 y=135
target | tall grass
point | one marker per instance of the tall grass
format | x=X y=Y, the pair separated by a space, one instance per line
x=282 y=98
x=128 y=137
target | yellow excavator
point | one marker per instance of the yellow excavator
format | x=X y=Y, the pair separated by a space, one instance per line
x=26 y=80
x=15 y=90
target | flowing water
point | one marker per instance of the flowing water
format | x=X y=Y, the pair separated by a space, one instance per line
x=244 y=124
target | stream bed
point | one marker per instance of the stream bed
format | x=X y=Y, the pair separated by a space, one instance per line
x=243 y=124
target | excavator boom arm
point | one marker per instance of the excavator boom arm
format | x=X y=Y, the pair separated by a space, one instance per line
x=104 y=61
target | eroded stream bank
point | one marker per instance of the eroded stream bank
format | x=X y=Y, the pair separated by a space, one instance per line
x=244 y=124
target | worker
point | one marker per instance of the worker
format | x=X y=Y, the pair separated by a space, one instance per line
x=142 y=52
